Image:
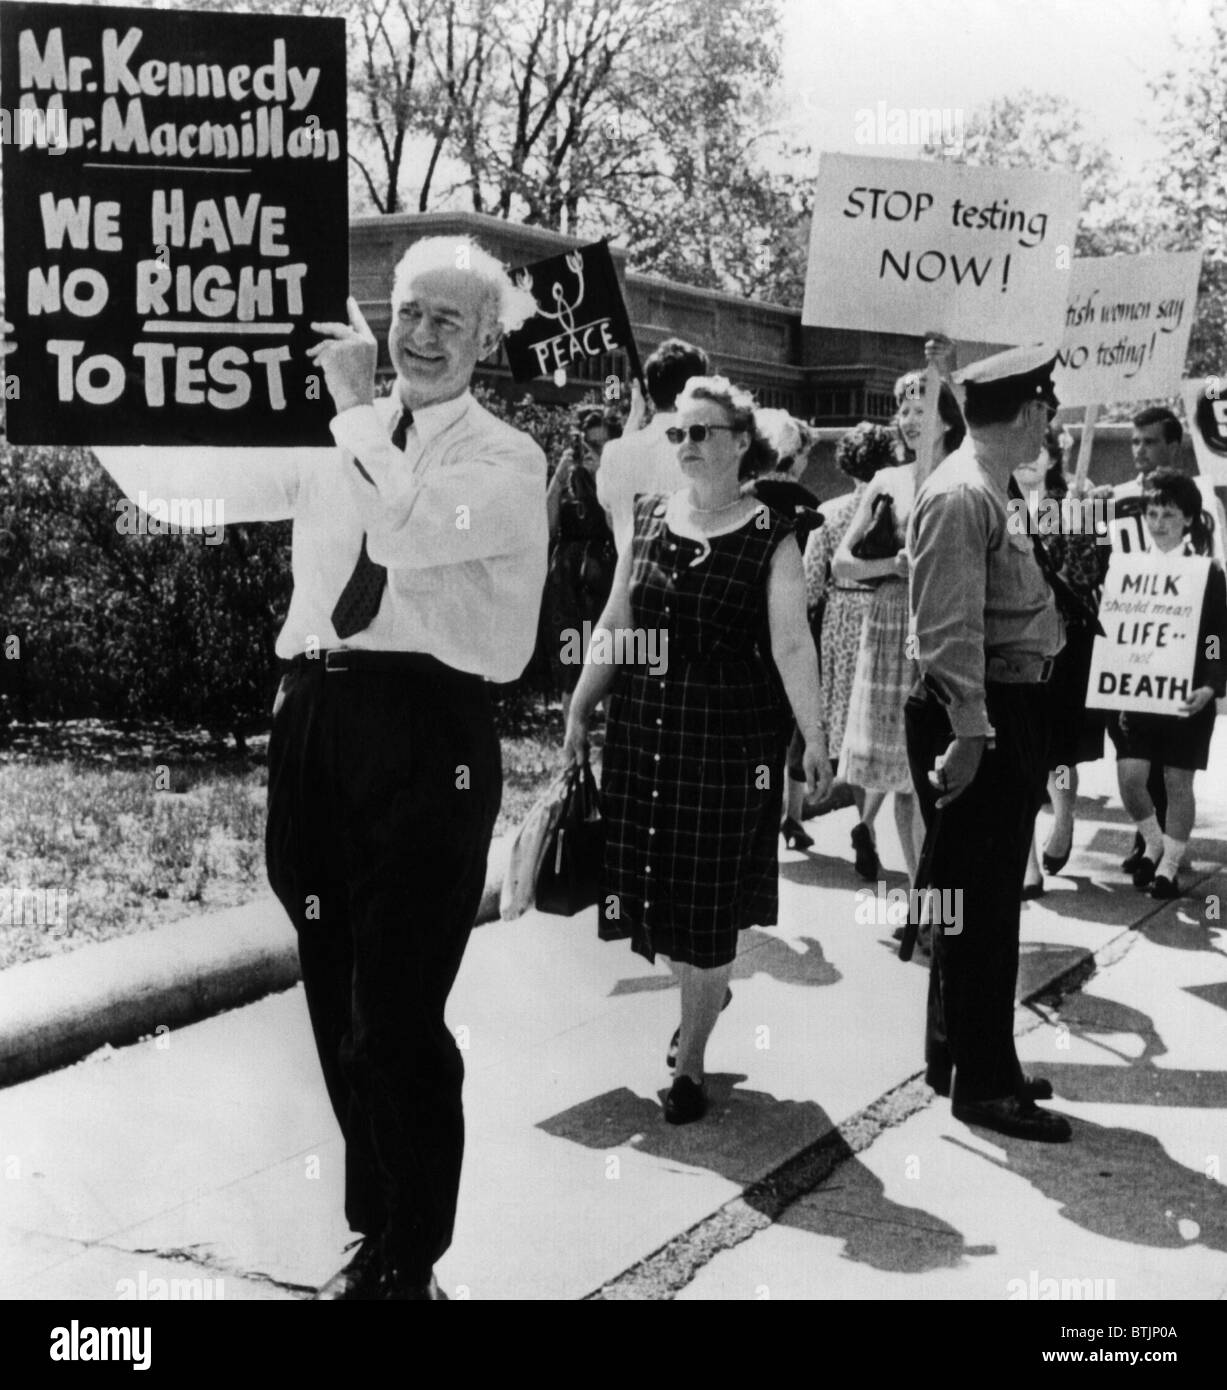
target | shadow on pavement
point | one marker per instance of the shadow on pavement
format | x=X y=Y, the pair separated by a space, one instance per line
x=1184 y=930
x=745 y=1134
x=1042 y=961
x=1101 y=1024
x=852 y=1206
x=1119 y=1183
x=797 y=961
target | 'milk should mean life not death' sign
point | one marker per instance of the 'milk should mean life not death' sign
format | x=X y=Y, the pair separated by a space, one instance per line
x=175 y=216
x=1151 y=616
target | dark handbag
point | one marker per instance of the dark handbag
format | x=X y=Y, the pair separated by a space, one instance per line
x=881 y=539
x=569 y=879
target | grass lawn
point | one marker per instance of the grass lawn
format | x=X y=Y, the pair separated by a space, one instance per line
x=94 y=845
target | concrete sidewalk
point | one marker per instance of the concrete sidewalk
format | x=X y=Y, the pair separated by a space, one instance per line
x=208 y=1153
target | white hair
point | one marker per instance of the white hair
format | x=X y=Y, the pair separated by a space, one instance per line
x=788 y=437
x=504 y=301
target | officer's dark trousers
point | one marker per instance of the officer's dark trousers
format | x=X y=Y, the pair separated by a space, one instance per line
x=980 y=850
x=383 y=792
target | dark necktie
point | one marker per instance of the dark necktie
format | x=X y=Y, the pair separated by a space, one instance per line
x=363 y=592
x=1073 y=608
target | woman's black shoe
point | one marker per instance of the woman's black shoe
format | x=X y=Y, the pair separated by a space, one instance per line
x=794 y=835
x=866 y=860
x=676 y=1040
x=685 y=1102
x=1164 y=887
x=1145 y=871
x=1054 y=863
x=1032 y=890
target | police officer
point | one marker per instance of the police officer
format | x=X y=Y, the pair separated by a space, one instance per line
x=987 y=628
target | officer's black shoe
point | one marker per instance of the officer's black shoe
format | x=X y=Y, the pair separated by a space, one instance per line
x=1134 y=857
x=1033 y=1087
x=1021 y=1118
x=1145 y=871
x=361 y=1278
x=1164 y=887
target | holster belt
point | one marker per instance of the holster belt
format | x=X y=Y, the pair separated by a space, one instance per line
x=1018 y=670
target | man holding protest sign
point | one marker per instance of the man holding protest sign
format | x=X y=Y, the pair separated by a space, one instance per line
x=419 y=552
x=987 y=630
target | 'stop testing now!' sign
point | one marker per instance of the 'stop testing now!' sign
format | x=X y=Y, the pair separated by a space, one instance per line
x=913 y=246
x=175 y=217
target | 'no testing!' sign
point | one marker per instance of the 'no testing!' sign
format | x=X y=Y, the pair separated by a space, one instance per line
x=175 y=216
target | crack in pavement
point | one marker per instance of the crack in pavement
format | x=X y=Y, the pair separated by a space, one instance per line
x=668 y=1270
x=203 y=1257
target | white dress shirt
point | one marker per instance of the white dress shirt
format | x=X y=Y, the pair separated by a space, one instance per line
x=641 y=462
x=458 y=519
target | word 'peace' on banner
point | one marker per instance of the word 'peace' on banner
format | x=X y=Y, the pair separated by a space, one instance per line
x=175 y=216
x=909 y=246
x=580 y=314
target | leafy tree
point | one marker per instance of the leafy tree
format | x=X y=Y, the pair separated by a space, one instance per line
x=1046 y=132
x=645 y=119
x=1190 y=187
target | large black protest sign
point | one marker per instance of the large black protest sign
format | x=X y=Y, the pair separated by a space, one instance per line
x=175 y=217
x=580 y=314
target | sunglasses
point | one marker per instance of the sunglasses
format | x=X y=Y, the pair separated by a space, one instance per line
x=697 y=433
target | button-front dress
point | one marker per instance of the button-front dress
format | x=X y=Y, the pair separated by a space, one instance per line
x=692 y=776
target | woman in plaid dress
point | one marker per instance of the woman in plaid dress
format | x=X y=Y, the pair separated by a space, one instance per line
x=691 y=779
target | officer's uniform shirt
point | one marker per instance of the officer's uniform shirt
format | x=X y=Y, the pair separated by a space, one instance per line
x=976 y=589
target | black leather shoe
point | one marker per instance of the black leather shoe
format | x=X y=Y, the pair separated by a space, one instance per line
x=1164 y=887
x=1145 y=871
x=1054 y=863
x=676 y=1040
x=795 y=836
x=1033 y=1087
x=866 y=860
x=1021 y=1118
x=1032 y=890
x=685 y=1102
x=1130 y=862
x=361 y=1278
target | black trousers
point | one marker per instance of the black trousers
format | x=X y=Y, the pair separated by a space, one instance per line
x=979 y=855
x=383 y=792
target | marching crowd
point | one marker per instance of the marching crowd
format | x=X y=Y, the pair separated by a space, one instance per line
x=697 y=506
x=903 y=639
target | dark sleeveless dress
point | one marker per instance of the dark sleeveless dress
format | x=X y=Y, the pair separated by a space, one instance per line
x=692 y=772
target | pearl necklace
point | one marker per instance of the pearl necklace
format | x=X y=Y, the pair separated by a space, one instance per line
x=715 y=511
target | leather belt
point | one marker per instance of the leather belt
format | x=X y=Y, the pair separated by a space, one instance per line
x=1018 y=670
x=341 y=660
